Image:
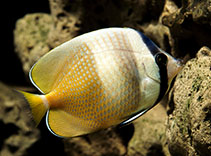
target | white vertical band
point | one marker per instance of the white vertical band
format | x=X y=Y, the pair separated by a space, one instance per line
x=45 y=101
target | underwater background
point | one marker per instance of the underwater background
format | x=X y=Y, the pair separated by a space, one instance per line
x=180 y=125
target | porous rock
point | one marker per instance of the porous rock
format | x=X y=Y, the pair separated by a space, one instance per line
x=106 y=142
x=73 y=18
x=17 y=131
x=189 y=26
x=30 y=38
x=66 y=18
x=189 y=122
x=94 y=14
x=149 y=137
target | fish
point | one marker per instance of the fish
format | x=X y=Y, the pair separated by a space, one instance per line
x=104 y=78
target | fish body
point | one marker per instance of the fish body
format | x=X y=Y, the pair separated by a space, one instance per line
x=100 y=79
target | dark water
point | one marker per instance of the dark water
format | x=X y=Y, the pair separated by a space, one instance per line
x=11 y=11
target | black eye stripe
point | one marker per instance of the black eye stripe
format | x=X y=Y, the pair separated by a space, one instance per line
x=161 y=60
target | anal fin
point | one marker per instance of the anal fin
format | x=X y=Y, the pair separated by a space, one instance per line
x=62 y=124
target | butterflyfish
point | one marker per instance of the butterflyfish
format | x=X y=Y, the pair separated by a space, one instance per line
x=98 y=80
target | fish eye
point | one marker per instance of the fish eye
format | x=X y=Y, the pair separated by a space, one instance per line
x=161 y=58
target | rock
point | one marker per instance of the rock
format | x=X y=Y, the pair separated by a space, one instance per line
x=72 y=18
x=17 y=131
x=66 y=18
x=30 y=38
x=106 y=142
x=189 y=26
x=189 y=122
x=19 y=136
x=149 y=136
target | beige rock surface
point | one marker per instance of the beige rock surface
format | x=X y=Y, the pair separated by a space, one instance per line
x=149 y=137
x=106 y=142
x=30 y=38
x=189 y=26
x=189 y=124
x=18 y=134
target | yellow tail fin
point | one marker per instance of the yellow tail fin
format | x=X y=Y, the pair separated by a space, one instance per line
x=37 y=104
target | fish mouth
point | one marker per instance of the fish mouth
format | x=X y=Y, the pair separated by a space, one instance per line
x=173 y=68
x=180 y=62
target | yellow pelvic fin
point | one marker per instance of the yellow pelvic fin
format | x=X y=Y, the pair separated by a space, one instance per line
x=37 y=104
x=62 y=124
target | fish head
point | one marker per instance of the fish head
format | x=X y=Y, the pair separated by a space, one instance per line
x=168 y=65
x=171 y=64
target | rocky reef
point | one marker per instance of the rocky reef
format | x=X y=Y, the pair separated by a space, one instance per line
x=180 y=125
x=189 y=120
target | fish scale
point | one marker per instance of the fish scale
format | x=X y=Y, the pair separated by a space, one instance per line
x=112 y=103
x=108 y=93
